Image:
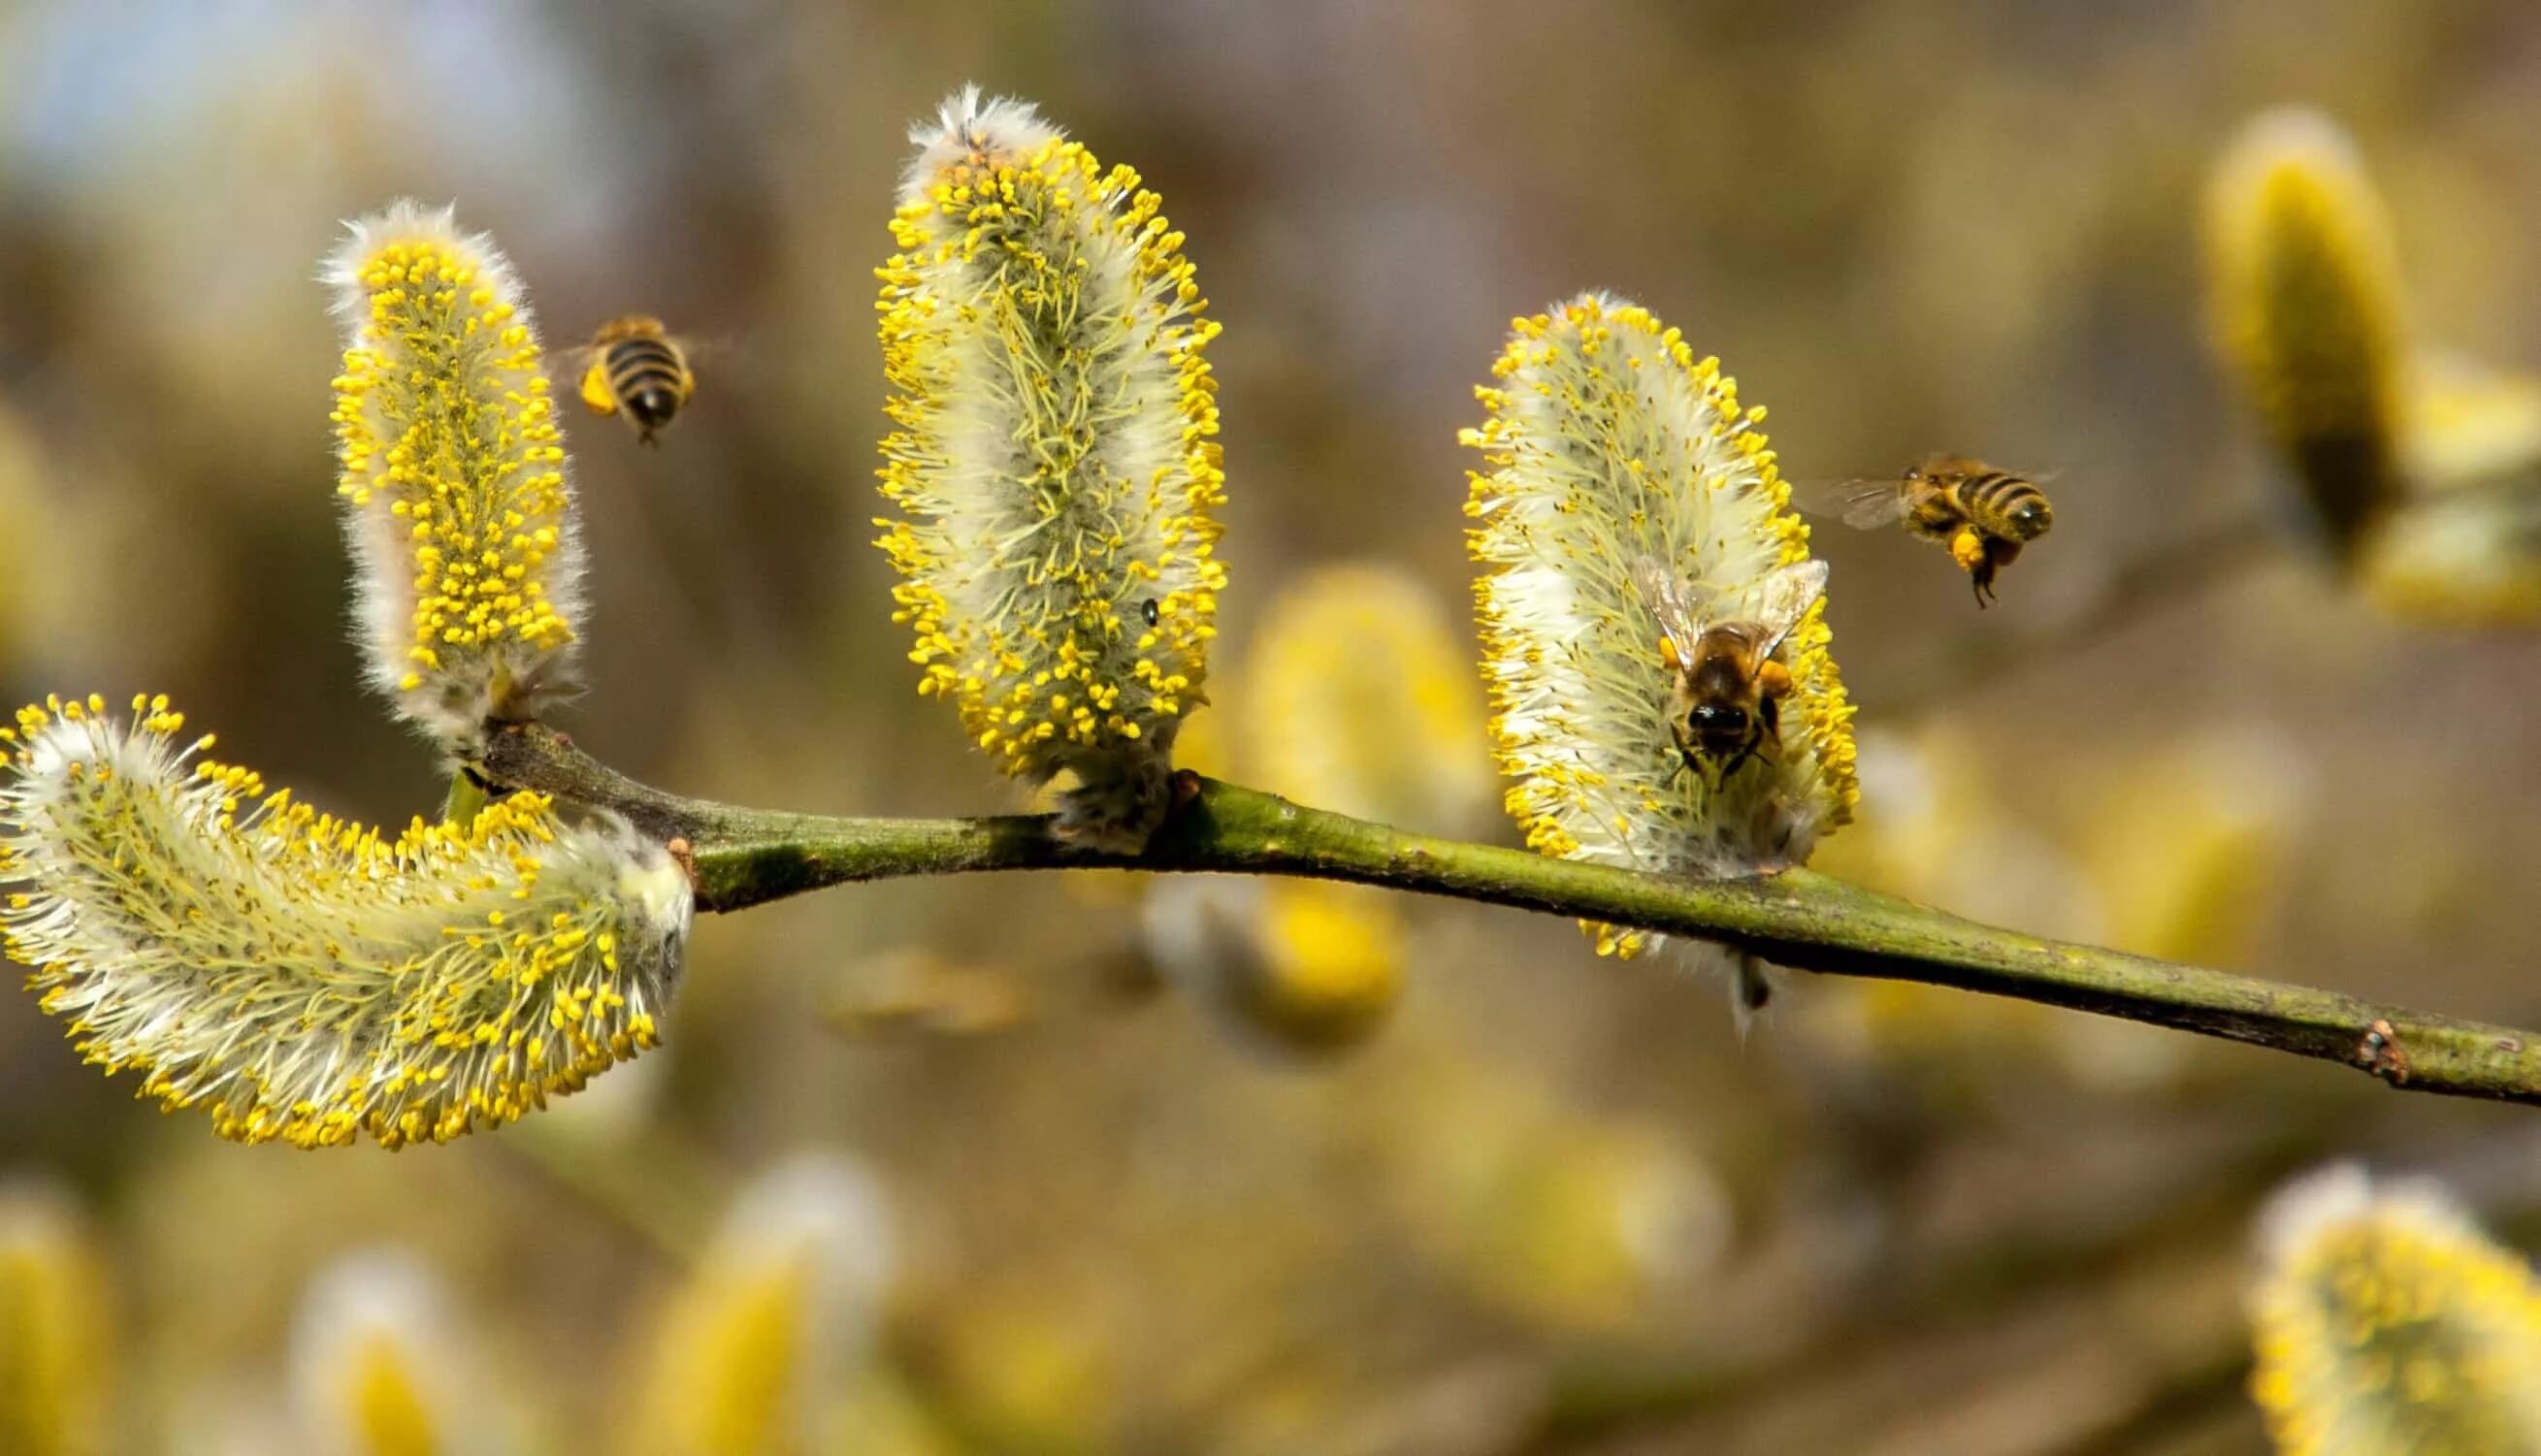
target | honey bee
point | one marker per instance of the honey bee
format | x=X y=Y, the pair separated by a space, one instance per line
x=636 y=368
x=1724 y=706
x=1983 y=515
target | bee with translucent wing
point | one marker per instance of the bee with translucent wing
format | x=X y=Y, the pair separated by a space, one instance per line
x=1984 y=516
x=1724 y=706
x=636 y=367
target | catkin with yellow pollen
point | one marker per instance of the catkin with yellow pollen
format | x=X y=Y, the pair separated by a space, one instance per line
x=2387 y=1322
x=466 y=556
x=1608 y=444
x=2303 y=283
x=300 y=977
x=1054 y=460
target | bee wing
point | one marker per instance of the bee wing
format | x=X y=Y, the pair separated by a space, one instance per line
x=1864 y=504
x=1665 y=592
x=1784 y=597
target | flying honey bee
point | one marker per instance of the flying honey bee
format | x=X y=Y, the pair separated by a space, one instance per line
x=1983 y=515
x=635 y=367
x=1724 y=706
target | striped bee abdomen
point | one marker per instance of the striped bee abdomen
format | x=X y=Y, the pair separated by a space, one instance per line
x=2005 y=504
x=648 y=378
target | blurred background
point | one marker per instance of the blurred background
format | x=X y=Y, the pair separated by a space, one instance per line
x=1168 y=1173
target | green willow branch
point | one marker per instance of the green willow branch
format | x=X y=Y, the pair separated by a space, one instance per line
x=1800 y=919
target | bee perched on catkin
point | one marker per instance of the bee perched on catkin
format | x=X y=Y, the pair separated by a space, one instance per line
x=2387 y=1322
x=300 y=977
x=466 y=556
x=1629 y=505
x=2303 y=283
x=1054 y=460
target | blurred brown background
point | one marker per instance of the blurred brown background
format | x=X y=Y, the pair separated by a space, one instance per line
x=1555 y=1206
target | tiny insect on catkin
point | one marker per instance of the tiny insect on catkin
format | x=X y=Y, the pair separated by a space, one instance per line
x=2303 y=283
x=1054 y=460
x=300 y=976
x=1610 y=445
x=466 y=559
x=2387 y=1322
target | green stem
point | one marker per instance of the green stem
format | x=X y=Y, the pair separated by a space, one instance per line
x=1800 y=919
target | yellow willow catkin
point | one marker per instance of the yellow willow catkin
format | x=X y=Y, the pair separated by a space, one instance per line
x=1359 y=696
x=1298 y=965
x=2387 y=1322
x=2303 y=284
x=1609 y=444
x=300 y=976
x=1055 y=459
x=54 y=1331
x=377 y=1366
x=749 y=1353
x=465 y=556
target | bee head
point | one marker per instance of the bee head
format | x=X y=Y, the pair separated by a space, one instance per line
x=1717 y=726
x=2031 y=518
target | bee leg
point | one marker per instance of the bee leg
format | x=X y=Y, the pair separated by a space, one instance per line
x=1750 y=992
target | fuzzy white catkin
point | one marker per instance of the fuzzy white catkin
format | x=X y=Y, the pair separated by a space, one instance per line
x=1055 y=461
x=2387 y=1322
x=300 y=977
x=1610 y=444
x=467 y=556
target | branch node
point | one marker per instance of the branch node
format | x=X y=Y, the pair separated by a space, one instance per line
x=2381 y=1055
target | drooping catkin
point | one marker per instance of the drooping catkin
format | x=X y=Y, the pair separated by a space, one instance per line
x=2303 y=284
x=466 y=558
x=1610 y=444
x=1055 y=459
x=302 y=978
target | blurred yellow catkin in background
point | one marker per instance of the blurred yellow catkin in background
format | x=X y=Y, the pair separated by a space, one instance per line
x=2386 y=1323
x=380 y=1367
x=750 y=1354
x=2423 y=469
x=2304 y=284
x=1359 y=696
x=1355 y=697
x=54 y=1331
